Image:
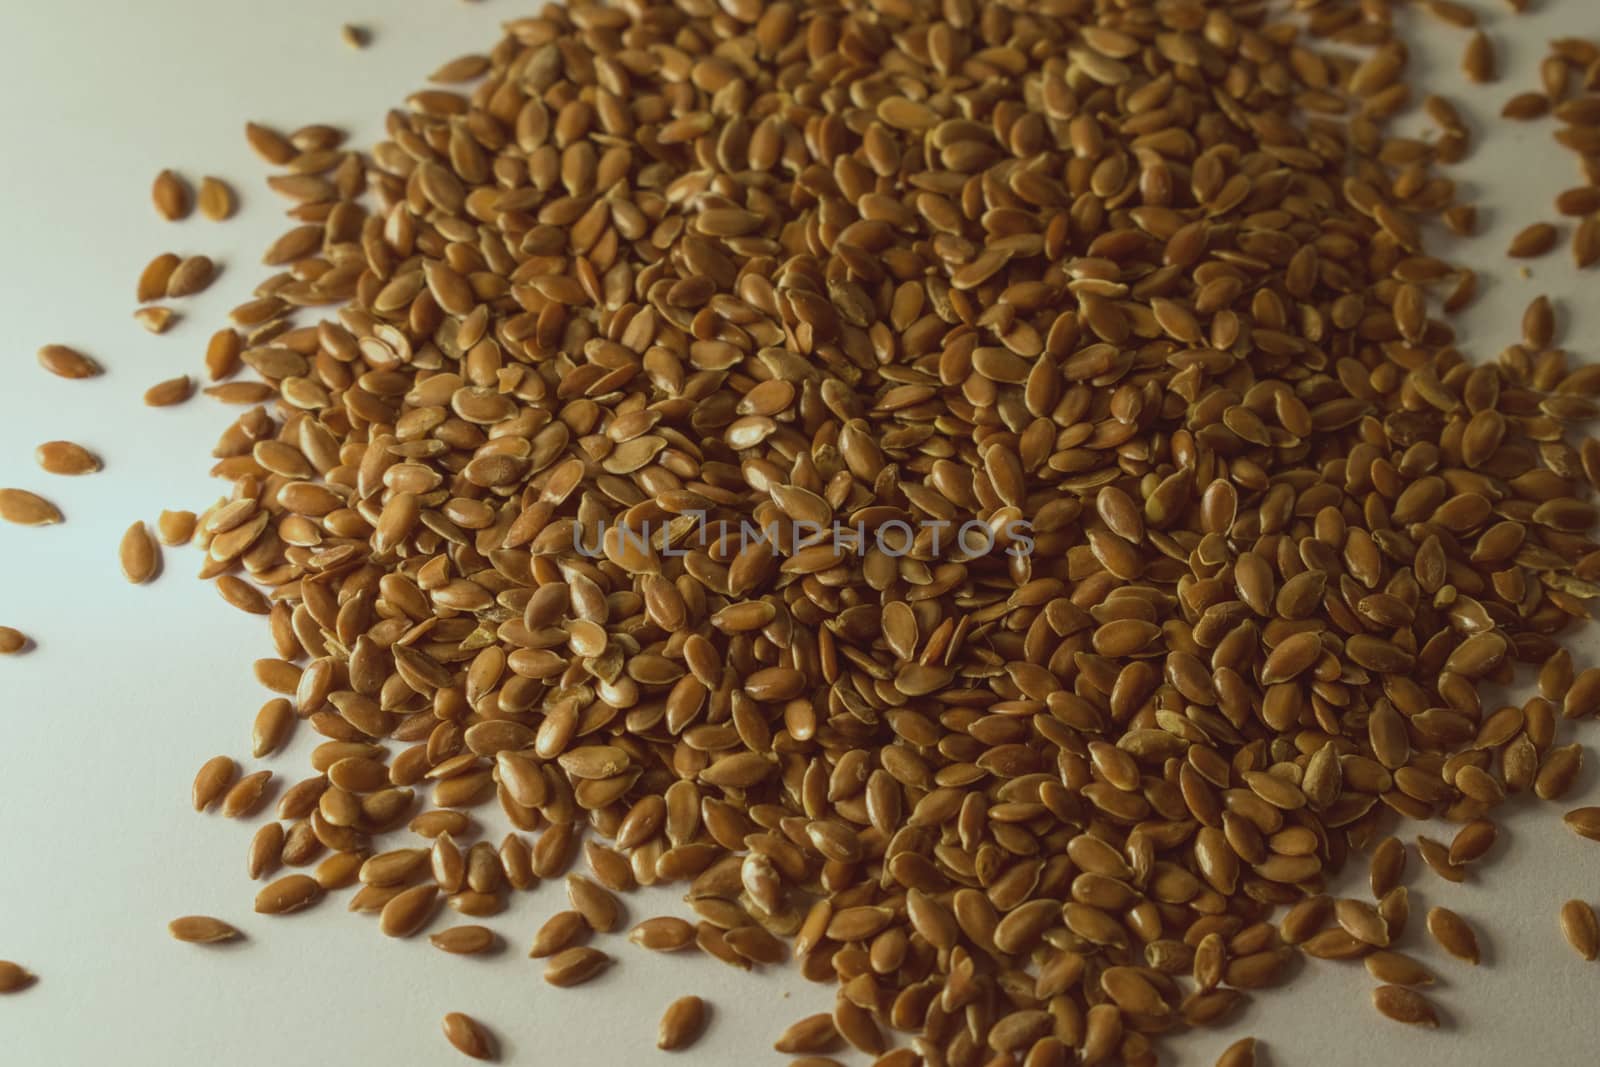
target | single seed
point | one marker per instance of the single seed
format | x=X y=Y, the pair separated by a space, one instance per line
x=215 y=199
x=27 y=509
x=171 y=195
x=355 y=36
x=1242 y=1053
x=202 y=930
x=12 y=641
x=170 y=392
x=139 y=554
x=1405 y=1006
x=65 y=362
x=1536 y=240
x=574 y=966
x=468 y=1036
x=465 y=940
x=191 y=276
x=1453 y=934
x=1581 y=928
x=681 y=1024
x=67 y=458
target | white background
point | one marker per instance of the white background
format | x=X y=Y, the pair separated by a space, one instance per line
x=130 y=689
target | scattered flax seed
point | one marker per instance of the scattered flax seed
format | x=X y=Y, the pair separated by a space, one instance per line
x=171 y=196
x=66 y=458
x=681 y=1024
x=465 y=940
x=1478 y=60
x=23 y=508
x=191 y=276
x=1534 y=241
x=814 y=1033
x=155 y=319
x=288 y=894
x=12 y=641
x=153 y=280
x=574 y=966
x=1396 y=968
x=1585 y=822
x=1453 y=934
x=212 y=781
x=1242 y=1053
x=216 y=199
x=170 y=392
x=139 y=554
x=1526 y=106
x=468 y=1036
x=1405 y=1006
x=65 y=362
x=356 y=37
x=665 y=933
x=202 y=930
x=1581 y=928
x=14 y=978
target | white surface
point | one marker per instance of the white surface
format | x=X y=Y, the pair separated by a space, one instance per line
x=103 y=725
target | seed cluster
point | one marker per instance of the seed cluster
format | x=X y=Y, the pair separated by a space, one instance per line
x=1149 y=281
x=543 y=508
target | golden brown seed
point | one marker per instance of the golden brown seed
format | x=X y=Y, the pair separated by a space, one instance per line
x=557 y=933
x=191 y=276
x=66 y=458
x=153 y=280
x=1533 y=241
x=65 y=362
x=1581 y=928
x=464 y=940
x=170 y=392
x=574 y=966
x=1453 y=934
x=681 y=1024
x=215 y=199
x=212 y=781
x=27 y=509
x=202 y=930
x=468 y=1036
x=814 y=1033
x=12 y=641
x=664 y=933
x=355 y=36
x=175 y=527
x=1405 y=1006
x=1585 y=822
x=171 y=196
x=139 y=554
x=288 y=894
x=1396 y=968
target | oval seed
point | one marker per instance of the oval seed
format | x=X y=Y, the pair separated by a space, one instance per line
x=202 y=930
x=1581 y=928
x=1453 y=934
x=67 y=458
x=681 y=1024
x=27 y=509
x=12 y=640
x=171 y=196
x=139 y=554
x=66 y=362
x=468 y=1036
